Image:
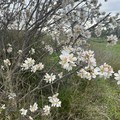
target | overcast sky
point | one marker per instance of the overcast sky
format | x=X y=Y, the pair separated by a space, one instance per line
x=110 y=6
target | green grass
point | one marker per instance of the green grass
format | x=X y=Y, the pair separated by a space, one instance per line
x=109 y=54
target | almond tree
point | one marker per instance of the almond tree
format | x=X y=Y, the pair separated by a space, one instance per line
x=68 y=24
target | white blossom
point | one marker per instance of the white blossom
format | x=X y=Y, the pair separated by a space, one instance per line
x=117 y=77
x=40 y=66
x=60 y=75
x=28 y=63
x=49 y=78
x=36 y=67
x=95 y=72
x=34 y=107
x=88 y=76
x=92 y=62
x=32 y=51
x=88 y=73
x=23 y=111
x=78 y=29
x=105 y=71
x=19 y=52
x=9 y=49
x=46 y=110
x=67 y=60
x=88 y=57
x=87 y=34
x=112 y=39
x=7 y=62
x=68 y=49
x=55 y=101
x=84 y=74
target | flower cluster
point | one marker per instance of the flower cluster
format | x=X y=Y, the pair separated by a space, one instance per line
x=105 y=71
x=49 y=78
x=29 y=63
x=46 y=110
x=36 y=67
x=79 y=30
x=67 y=60
x=88 y=57
x=68 y=49
x=112 y=39
x=33 y=108
x=23 y=111
x=88 y=73
x=55 y=102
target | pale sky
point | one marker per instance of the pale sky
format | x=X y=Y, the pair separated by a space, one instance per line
x=110 y=6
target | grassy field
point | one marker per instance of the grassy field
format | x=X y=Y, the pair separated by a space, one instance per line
x=103 y=53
